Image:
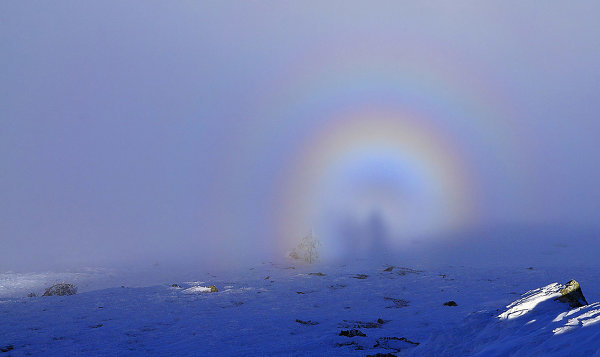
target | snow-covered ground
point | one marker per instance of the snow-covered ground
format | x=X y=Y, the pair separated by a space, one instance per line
x=295 y=309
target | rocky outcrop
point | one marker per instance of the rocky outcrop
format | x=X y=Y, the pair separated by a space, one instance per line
x=61 y=289
x=352 y=333
x=572 y=295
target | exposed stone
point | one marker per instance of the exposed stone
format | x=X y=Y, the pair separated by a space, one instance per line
x=394 y=343
x=450 y=303
x=360 y=276
x=398 y=303
x=7 y=348
x=352 y=333
x=213 y=289
x=309 y=322
x=362 y=324
x=61 y=289
x=572 y=295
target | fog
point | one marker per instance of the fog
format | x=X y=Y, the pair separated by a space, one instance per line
x=220 y=133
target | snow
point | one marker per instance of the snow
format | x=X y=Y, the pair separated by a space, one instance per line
x=196 y=290
x=289 y=310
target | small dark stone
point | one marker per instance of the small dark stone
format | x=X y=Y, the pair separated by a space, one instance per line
x=398 y=303
x=360 y=276
x=352 y=333
x=450 y=303
x=382 y=355
x=309 y=322
x=31 y=295
x=389 y=268
x=213 y=289
x=175 y=286
x=350 y=344
x=268 y=277
x=354 y=324
x=7 y=348
x=317 y=274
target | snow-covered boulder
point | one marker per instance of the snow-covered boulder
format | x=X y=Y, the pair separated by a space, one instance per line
x=61 y=289
x=545 y=299
x=201 y=289
x=544 y=323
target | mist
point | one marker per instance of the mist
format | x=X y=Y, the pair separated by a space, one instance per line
x=218 y=134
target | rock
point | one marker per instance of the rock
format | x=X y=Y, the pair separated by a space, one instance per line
x=175 y=286
x=394 y=343
x=7 y=348
x=200 y=289
x=317 y=274
x=362 y=324
x=61 y=289
x=572 y=295
x=309 y=322
x=450 y=303
x=390 y=268
x=550 y=298
x=382 y=355
x=31 y=295
x=398 y=303
x=352 y=333
x=360 y=276
x=353 y=344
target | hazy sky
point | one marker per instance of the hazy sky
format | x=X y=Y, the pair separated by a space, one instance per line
x=217 y=131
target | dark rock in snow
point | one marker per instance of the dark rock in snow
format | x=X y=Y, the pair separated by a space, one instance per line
x=213 y=289
x=317 y=274
x=394 y=343
x=382 y=355
x=572 y=295
x=7 y=348
x=351 y=344
x=175 y=286
x=309 y=322
x=31 y=295
x=450 y=303
x=352 y=333
x=360 y=276
x=61 y=289
x=362 y=324
x=398 y=303
x=403 y=271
